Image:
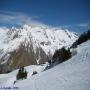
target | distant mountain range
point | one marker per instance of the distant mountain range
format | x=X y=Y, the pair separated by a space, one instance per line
x=29 y=45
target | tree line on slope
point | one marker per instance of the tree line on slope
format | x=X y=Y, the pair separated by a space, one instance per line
x=61 y=55
x=82 y=38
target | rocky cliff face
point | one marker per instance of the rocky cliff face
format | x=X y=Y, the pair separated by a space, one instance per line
x=30 y=45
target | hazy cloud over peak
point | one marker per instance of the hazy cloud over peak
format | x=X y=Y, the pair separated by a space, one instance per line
x=17 y=18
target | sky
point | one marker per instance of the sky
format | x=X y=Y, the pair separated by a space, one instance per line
x=71 y=14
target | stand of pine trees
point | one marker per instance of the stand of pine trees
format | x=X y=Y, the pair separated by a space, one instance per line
x=22 y=74
x=61 y=55
x=83 y=38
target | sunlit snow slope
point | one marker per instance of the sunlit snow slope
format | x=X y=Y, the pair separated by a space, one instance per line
x=73 y=74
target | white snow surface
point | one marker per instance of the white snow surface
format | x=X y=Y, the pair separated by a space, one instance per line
x=48 y=38
x=73 y=74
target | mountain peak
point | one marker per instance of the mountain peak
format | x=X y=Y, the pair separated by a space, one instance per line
x=32 y=42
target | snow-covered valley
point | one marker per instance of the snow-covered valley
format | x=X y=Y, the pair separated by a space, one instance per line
x=73 y=74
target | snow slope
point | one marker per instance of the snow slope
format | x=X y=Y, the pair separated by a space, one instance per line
x=73 y=74
x=7 y=80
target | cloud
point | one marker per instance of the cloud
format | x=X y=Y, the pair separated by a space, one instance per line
x=80 y=25
x=84 y=25
x=18 y=18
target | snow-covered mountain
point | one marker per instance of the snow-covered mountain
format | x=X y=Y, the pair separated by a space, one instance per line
x=73 y=74
x=31 y=44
